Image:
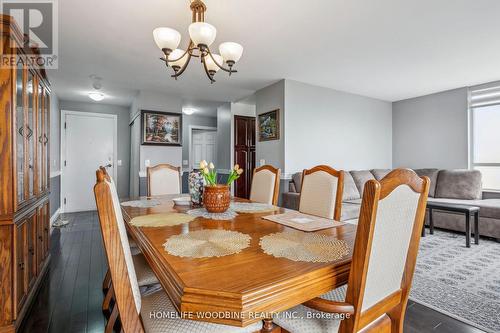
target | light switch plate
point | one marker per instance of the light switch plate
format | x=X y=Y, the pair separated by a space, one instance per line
x=262 y=162
x=147 y=163
x=119 y=162
x=185 y=162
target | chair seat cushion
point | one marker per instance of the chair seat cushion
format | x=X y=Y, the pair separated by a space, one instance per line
x=159 y=303
x=145 y=275
x=296 y=320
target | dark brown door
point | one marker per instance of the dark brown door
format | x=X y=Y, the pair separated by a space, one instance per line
x=244 y=153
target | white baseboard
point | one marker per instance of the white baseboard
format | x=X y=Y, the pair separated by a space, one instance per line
x=55 y=216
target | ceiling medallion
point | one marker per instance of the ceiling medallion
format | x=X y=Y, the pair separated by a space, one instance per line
x=202 y=35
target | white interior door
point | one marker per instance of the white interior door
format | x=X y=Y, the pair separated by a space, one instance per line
x=88 y=141
x=204 y=146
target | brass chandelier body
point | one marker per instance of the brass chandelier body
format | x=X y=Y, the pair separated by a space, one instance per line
x=201 y=51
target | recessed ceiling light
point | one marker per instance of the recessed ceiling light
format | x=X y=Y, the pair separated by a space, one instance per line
x=96 y=96
x=189 y=111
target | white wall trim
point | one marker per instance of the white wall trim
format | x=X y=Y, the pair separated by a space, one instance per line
x=65 y=113
x=55 y=173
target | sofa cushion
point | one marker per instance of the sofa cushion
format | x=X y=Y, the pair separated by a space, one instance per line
x=349 y=211
x=380 y=173
x=350 y=190
x=459 y=184
x=433 y=176
x=360 y=178
x=487 y=207
x=297 y=180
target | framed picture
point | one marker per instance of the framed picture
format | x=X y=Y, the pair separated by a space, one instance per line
x=269 y=125
x=161 y=128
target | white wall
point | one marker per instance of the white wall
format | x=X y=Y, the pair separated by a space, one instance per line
x=431 y=131
x=343 y=130
x=268 y=99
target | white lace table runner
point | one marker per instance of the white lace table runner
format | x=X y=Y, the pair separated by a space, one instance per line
x=141 y=203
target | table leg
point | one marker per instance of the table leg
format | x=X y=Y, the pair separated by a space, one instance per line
x=431 y=223
x=476 y=227
x=467 y=229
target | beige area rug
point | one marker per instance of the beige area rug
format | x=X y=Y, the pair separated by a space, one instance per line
x=161 y=220
x=302 y=246
x=207 y=243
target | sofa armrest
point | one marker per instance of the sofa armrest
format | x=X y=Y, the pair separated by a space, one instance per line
x=291 y=187
x=291 y=200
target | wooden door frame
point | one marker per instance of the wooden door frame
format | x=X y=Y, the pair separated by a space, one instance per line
x=65 y=113
x=190 y=140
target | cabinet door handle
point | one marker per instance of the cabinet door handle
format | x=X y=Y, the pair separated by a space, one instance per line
x=30 y=132
x=45 y=139
x=21 y=131
x=40 y=238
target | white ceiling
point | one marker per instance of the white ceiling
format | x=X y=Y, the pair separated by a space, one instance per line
x=387 y=49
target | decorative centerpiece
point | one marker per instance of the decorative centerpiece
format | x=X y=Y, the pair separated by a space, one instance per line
x=196 y=184
x=217 y=197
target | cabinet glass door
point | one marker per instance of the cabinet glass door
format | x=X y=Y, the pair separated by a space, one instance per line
x=30 y=125
x=39 y=140
x=20 y=130
x=46 y=131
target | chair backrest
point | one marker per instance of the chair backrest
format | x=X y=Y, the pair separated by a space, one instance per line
x=121 y=267
x=385 y=250
x=164 y=179
x=321 y=192
x=265 y=185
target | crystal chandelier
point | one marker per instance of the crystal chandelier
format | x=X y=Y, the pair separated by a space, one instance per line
x=202 y=35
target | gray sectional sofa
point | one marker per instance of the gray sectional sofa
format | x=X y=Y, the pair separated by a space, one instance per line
x=449 y=186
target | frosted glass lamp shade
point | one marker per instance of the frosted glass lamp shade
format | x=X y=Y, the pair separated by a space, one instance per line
x=166 y=38
x=202 y=33
x=176 y=54
x=231 y=51
x=211 y=66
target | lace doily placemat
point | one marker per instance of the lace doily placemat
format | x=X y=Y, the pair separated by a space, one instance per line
x=252 y=207
x=202 y=212
x=141 y=203
x=304 y=222
x=302 y=246
x=207 y=243
x=161 y=220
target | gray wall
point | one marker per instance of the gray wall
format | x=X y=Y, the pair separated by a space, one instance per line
x=55 y=154
x=155 y=101
x=123 y=136
x=268 y=99
x=193 y=120
x=344 y=130
x=224 y=118
x=431 y=131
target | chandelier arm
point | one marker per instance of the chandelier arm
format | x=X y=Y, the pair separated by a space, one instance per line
x=182 y=56
x=206 y=70
x=218 y=65
x=179 y=73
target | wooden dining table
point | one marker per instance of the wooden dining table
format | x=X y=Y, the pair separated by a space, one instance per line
x=237 y=289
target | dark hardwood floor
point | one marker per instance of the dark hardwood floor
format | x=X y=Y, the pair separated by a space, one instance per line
x=70 y=297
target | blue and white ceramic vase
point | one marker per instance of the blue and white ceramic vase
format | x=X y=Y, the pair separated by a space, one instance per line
x=196 y=183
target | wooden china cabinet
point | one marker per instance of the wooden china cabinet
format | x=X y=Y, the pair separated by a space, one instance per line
x=24 y=177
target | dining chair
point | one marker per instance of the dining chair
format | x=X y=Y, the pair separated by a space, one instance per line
x=145 y=276
x=265 y=185
x=321 y=192
x=383 y=261
x=133 y=309
x=163 y=179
